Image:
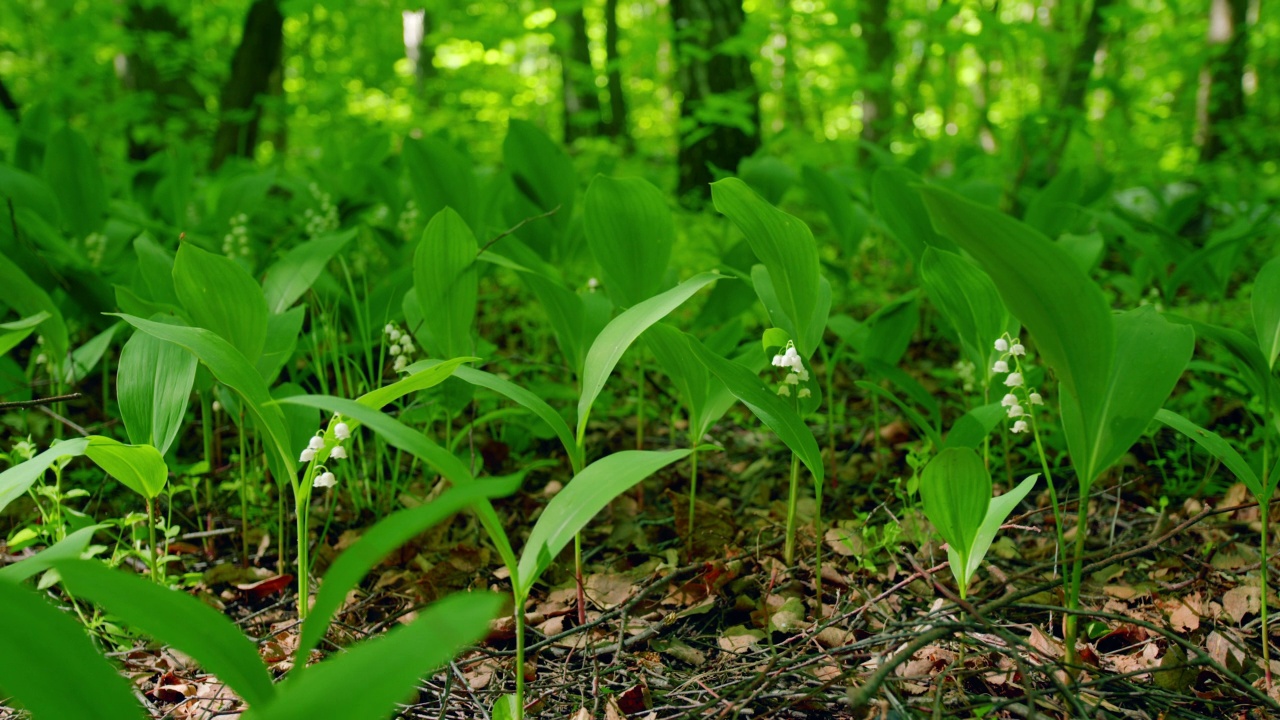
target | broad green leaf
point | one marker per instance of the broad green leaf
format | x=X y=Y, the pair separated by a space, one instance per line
x=220 y=296
x=68 y=548
x=541 y=170
x=1085 y=250
x=630 y=233
x=676 y=359
x=155 y=271
x=292 y=275
x=424 y=377
x=848 y=221
x=12 y=333
x=955 y=488
x=1150 y=355
x=28 y=298
x=15 y=481
x=86 y=357
x=42 y=647
x=28 y=191
x=447 y=283
x=282 y=339
x=140 y=467
x=765 y=404
x=784 y=245
x=441 y=177
x=970 y=429
x=581 y=499
x=366 y=681
x=376 y=543
x=618 y=335
x=519 y=395
x=507 y=708
x=1215 y=445
x=1266 y=310
x=566 y=314
x=177 y=619
x=997 y=512
x=1054 y=208
x=1249 y=358
x=899 y=206
x=71 y=168
x=153 y=386
x=231 y=368
x=889 y=330
x=968 y=299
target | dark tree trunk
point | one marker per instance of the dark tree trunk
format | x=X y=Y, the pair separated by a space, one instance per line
x=1076 y=82
x=163 y=88
x=9 y=104
x=877 y=91
x=616 y=126
x=705 y=73
x=581 y=100
x=257 y=57
x=1221 y=101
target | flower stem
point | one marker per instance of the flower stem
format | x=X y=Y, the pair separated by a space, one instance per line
x=789 y=553
x=519 y=658
x=151 y=532
x=1070 y=625
x=693 y=495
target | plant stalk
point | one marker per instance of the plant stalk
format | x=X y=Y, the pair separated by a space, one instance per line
x=151 y=532
x=789 y=552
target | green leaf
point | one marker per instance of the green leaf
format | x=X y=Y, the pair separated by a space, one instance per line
x=955 y=488
x=153 y=386
x=15 y=481
x=1266 y=310
x=618 y=335
x=231 y=368
x=432 y=375
x=40 y=648
x=541 y=170
x=997 y=512
x=86 y=357
x=366 y=681
x=177 y=619
x=786 y=247
x=140 y=467
x=70 y=547
x=507 y=708
x=28 y=191
x=970 y=429
x=155 y=270
x=12 y=333
x=71 y=167
x=1215 y=445
x=968 y=299
x=292 y=275
x=900 y=208
x=376 y=543
x=282 y=339
x=219 y=295
x=441 y=177
x=848 y=221
x=1053 y=209
x=447 y=283
x=28 y=298
x=630 y=233
x=766 y=405
x=519 y=395
x=581 y=499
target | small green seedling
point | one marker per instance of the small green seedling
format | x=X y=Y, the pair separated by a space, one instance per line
x=956 y=490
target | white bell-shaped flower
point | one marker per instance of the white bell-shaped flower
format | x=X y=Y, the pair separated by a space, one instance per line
x=1009 y=400
x=307 y=455
x=1000 y=367
x=339 y=453
x=1002 y=345
x=1017 y=349
x=325 y=479
x=1015 y=411
x=341 y=431
x=1020 y=426
x=1014 y=380
x=1035 y=398
x=316 y=443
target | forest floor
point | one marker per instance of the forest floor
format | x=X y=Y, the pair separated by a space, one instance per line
x=715 y=624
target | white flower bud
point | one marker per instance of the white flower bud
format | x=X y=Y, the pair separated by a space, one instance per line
x=307 y=455
x=316 y=443
x=791 y=379
x=1009 y=399
x=1014 y=380
x=394 y=350
x=784 y=390
x=394 y=335
x=341 y=431
x=325 y=480
x=1017 y=349
x=1000 y=367
x=1036 y=399
x=804 y=375
x=339 y=453
x=401 y=363
x=804 y=392
x=1002 y=345
x=593 y=284
x=1020 y=426
x=1014 y=411
x=389 y=329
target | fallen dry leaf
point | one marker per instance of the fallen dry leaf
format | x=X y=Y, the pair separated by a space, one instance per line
x=739 y=639
x=1241 y=601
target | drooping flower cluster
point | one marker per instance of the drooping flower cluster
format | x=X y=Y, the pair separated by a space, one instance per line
x=236 y=242
x=323 y=477
x=408 y=219
x=1012 y=351
x=324 y=218
x=791 y=361
x=95 y=248
x=401 y=347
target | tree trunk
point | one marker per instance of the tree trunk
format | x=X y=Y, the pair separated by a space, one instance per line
x=616 y=127
x=257 y=57
x=713 y=133
x=877 y=89
x=164 y=90
x=581 y=99
x=1221 y=99
x=1078 y=70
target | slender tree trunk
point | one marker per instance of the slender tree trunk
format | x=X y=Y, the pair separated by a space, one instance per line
x=616 y=127
x=165 y=90
x=1220 y=103
x=877 y=89
x=1076 y=82
x=706 y=76
x=582 y=116
x=257 y=57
